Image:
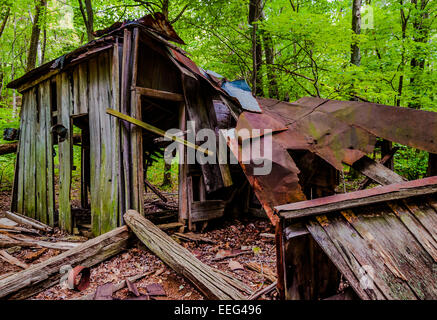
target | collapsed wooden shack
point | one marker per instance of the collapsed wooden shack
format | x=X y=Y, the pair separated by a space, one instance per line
x=136 y=72
x=383 y=240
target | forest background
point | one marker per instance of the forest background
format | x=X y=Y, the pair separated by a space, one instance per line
x=377 y=51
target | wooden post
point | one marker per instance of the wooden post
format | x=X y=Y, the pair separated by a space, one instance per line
x=183 y=169
x=65 y=151
x=125 y=127
x=137 y=173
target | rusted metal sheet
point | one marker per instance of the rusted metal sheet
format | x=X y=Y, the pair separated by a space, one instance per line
x=280 y=186
x=332 y=130
x=391 y=123
x=83 y=282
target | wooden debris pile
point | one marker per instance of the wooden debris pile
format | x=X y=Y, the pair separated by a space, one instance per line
x=213 y=283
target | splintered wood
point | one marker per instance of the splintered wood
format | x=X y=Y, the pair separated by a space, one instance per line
x=213 y=284
x=43 y=275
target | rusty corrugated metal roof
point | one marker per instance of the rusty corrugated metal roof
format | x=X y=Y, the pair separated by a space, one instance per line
x=336 y=131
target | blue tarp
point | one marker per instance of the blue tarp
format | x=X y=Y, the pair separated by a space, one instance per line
x=241 y=90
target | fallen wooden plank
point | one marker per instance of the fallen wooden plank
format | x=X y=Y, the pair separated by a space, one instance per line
x=43 y=275
x=157 y=131
x=358 y=198
x=155 y=191
x=193 y=237
x=383 y=161
x=12 y=260
x=262 y=291
x=159 y=94
x=21 y=219
x=207 y=210
x=232 y=255
x=181 y=260
x=18 y=230
x=61 y=245
x=171 y=225
x=377 y=171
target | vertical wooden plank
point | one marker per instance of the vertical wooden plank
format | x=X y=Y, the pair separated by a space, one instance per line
x=85 y=167
x=108 y=181
x=41 y=146
x=136 y=135
x=95 y=136
x=117 y=188
x=22 y=153
x=49 y=158
x=83 y=88
x=183 y=169
x=76 y=93
x=125 y=108
x=191 y=225
x=30 y=163
x=65 y=107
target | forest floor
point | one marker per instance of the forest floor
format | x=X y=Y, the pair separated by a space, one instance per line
x=225 y=238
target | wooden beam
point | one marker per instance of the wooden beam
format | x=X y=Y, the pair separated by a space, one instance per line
x=383 y=161
x=43 y=275
x=206 y=279
x=207 y=210
x=155 y=190
x=376 y=171
x=21 y=219
x=358 y=198
x=155 y=130
x=159 y=94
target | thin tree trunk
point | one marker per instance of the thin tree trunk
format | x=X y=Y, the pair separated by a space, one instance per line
x=421 y=28
x=34 y=38
x=14 y=94
x=88 y=17
x=432 y=165
x=269 y=53
x=167 y=175
x=255 y=10
x=356 y=28
x=5 y=20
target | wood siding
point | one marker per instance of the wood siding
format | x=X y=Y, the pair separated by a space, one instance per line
x=91 y=87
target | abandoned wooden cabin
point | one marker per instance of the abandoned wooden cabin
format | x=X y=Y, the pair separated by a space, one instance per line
x=147 y=81
x=133 y=69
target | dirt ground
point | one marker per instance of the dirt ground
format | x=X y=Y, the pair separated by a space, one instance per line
x=245 y=237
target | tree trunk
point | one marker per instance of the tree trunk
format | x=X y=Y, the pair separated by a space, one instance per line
x=356 y=28
x=432 y=165
x=34 y=38
x=421 y=28
x=88 y=18
x=5 y=20
x=269 y=53
x=255 y=11
x=167 y=175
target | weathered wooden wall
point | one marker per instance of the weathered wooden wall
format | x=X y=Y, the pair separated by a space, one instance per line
x=98 y=90
x=33 y=185
x=89 y=88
